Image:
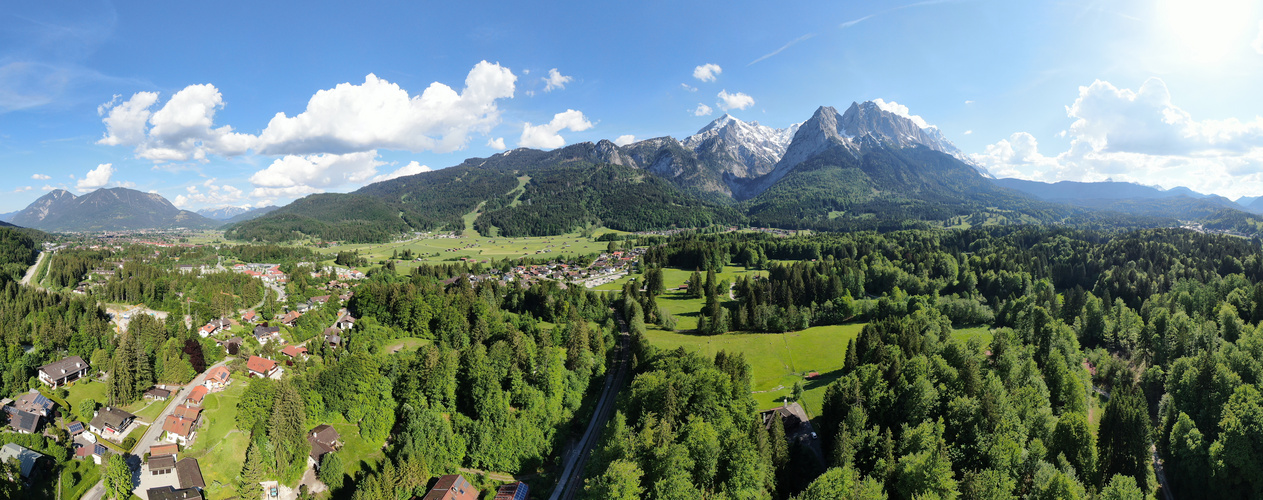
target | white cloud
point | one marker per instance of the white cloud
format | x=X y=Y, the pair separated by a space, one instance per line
x=49 y=187
x=411 y=168
x=1140 y=136
x=734 y=101
x=546 y=136
x=688 y=87
x=707 y=72
x=555 y=80
x=497 y=143
x=345 y=119
x=901 y=110
x=209 y=194
x=702 y=110
x=96 y=178
x=40 y=177
x=1258 y=41
x=297 y=175
x=969 y=132
x=624 y=140
x=968 y=102
x=530 y=93
x=379 y=114
x=783 y=47
x=23 y=189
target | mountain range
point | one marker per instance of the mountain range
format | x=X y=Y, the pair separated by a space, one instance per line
x=867 y=167
x=117 y=209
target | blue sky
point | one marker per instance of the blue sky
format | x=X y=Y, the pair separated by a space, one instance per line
x=254 y=103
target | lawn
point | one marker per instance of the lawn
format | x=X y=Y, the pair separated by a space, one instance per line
x=408 y=344
x=78 y=476
x=86 y=388
x=435 y=250
x=983 y=333
x=357 y=454
x=220 y=447
x=147 y=410
x=673 y=277
x=777 y=360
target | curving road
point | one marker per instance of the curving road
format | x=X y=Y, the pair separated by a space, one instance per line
x=571 y=480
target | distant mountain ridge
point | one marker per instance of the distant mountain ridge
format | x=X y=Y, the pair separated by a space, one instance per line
x=110 y=209
x=222 y=213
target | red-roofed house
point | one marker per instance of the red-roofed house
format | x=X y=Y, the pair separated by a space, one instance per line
x=291 y=318
x=181 y=424
x=452 y=487
x=250 y=316
x=294 y=351
x=261 y=367
x=217 y=378
x=197 y=395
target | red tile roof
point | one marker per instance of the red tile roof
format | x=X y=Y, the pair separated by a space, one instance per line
x=260 y=365
x=293 y=350
x=218 y=374
x=196 y=395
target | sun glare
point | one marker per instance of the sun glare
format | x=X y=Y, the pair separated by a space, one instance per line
x=1207 y=31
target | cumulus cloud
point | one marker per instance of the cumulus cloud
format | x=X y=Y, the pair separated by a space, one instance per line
x=555 y=80
x=298 y=175
x=497 y=143
x=707 y=72
x=702 y=110
x=40 y=177
x=96 y=178
x=182 y=129
x=624 y=140
x=969 y=132
x=381 y=115
x=734 y=101
x=348 y=118
x=412 y=168
x=209 y=193
x=688 y=87
x=546 y=136
x=23 y=189
x=901 y=110
x=1139 y=136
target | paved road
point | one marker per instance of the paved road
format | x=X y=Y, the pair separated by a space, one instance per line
x=571 y=480
x=155 y=429
x=30 y=273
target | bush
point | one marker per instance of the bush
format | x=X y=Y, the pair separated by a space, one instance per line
x=129 y=442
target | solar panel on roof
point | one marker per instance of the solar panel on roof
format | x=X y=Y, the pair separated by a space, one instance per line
x=76 y=427
x=41 y=400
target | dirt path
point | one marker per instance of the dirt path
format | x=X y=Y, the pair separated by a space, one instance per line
x=30 y=273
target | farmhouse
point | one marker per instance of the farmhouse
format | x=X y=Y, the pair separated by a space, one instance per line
x=62 y=372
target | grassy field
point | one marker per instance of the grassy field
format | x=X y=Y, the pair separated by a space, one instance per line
x=777 y=361
x=219 y=442
x=410 y=344
x=436 y=250
x=357 y=454
x=84 y=389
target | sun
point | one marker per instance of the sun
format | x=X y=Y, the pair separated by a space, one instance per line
x=1208 y=31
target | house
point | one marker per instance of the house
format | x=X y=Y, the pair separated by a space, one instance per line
x=63 y=372
x=294 y=351
x=27 y=459
x=159 y=450
x=163 y=464
x=110 y=421
x=34 y=402
x=250 y=316
x=189 y=473
x=157 y=394
x=232 y=345
x=320 y=299
x=75 y=428
x=217 y=378
x=515 y=491
x=346 y=322
x=792 y=416
x=323 y=439
x=264 y=334
x=291 y=318
x=261 y=367
x=170 y=493
x=452 y=487
x=22 y=422
x=181 y=424
x=333 y=337
x=196 y=395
